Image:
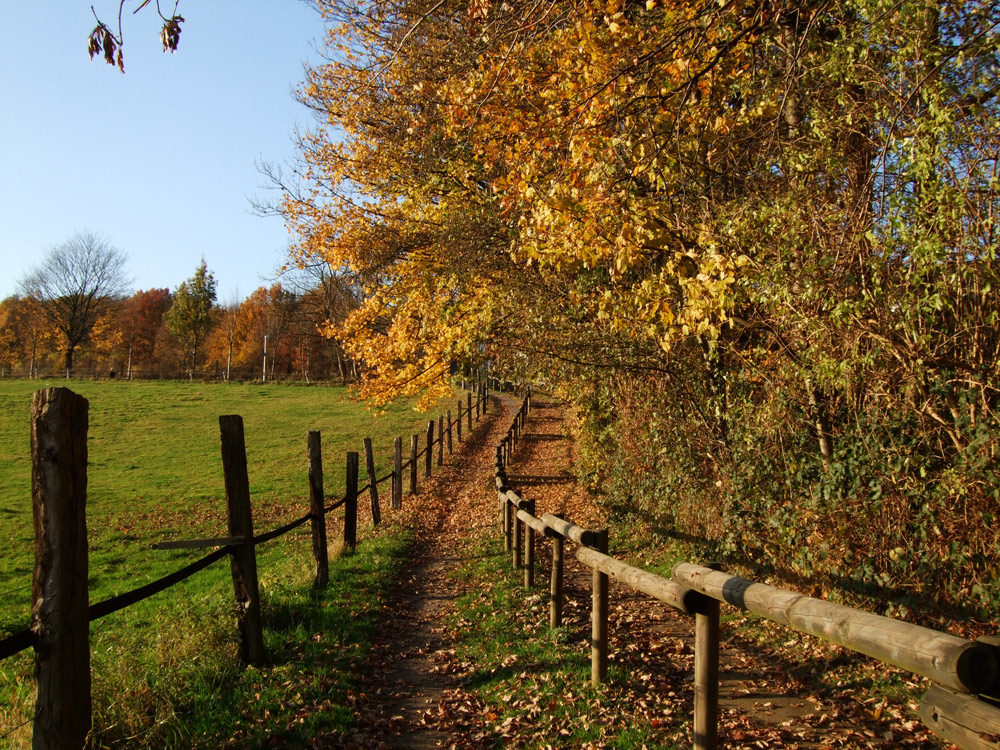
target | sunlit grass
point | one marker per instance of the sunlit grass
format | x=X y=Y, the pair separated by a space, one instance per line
x=165 y=671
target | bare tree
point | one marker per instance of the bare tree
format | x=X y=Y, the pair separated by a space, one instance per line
x=75 y=283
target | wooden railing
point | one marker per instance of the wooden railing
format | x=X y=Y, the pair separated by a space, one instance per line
x=961 y=707
x=61 y=608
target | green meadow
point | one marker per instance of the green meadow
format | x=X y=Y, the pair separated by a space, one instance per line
x=155 y=473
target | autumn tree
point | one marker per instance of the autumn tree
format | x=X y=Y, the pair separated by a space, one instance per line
x=23 y=333
x=190 y=316
x=755 y=243
x=75 y=283
x=132 y=328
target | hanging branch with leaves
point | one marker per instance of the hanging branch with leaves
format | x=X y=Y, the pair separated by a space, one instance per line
x=103 y=41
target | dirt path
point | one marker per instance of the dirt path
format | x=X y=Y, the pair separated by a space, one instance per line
x=411 y=694
x=409 y=687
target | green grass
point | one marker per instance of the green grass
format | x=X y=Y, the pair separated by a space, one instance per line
x=534 y=679
x=165 y=671
x=155 y=470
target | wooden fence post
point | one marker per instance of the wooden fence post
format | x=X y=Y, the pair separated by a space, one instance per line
x=599 y=618
x=516 y=537
x=351 y=505
x=414 y=440
x=397 y=473
x=479 y=399
x=372 y=485
x=706 y=671
x=316 y=509
x=509 y=517
x=458 y=422
x=468 y=412
x=60 y=623
x=450 y=451
x=529 y=548
x=243 y=557
x=429 y=451
x=556 y=582
x=441 y=440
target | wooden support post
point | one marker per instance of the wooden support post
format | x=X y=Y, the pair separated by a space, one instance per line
x=316 y=509
x=59 y=621
x=429 y=451
x=372 y=486
x=479 y=400
x=468 y=412
x=414 y=440
x=706 y=671
x=599 y=618
x=556 y=582
x=351 y=505
x=509 y=516
x=706 y=675
x=515 y=536
x=243 y=557
x=441 y=441
x=450 y=451
x=529 y=548
x=397 y=473
x=458 y=424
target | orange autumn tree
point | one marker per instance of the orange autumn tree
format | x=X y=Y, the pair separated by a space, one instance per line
x=498 y=175
x=756 y=242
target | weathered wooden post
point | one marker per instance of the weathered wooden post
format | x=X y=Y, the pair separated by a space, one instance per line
x=414 y=440
x=479 y=399
x=450 y=451
x=706 y=671
x=397 y=473
x=509 y=517
x=529 y=548
x=316 y=509
x=599 y=618
x=372 y=482
x=516 y=536
x=441 y=440
x=351 y=504
x=243 y=557
x=429 y=450
x=556 y=582
x=468 y=412
x=59 y=621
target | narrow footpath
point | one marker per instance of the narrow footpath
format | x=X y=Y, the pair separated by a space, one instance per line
x=777 y=695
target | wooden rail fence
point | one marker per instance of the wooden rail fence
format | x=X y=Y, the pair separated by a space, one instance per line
x=59 y=631
x=962 y=707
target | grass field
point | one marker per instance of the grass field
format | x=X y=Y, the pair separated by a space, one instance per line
x=155 y=473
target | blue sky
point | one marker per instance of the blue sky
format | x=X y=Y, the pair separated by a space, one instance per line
x=161 y=160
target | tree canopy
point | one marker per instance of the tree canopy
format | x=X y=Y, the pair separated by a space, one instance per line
x=760 y=236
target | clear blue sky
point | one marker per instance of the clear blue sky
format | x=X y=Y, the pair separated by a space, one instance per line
x=161 y=160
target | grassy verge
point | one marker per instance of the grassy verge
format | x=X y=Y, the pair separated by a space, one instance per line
x=535 y=681
x=164 y=671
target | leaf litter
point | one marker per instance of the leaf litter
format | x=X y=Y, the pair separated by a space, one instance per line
x=423 y=687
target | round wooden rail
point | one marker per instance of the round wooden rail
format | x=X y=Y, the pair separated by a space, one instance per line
x=658 y=587
x=535 y=523
x=570 y=530
x=954 y=662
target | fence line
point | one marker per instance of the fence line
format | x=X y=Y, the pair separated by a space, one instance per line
x=60 y=632
x=961 y=707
